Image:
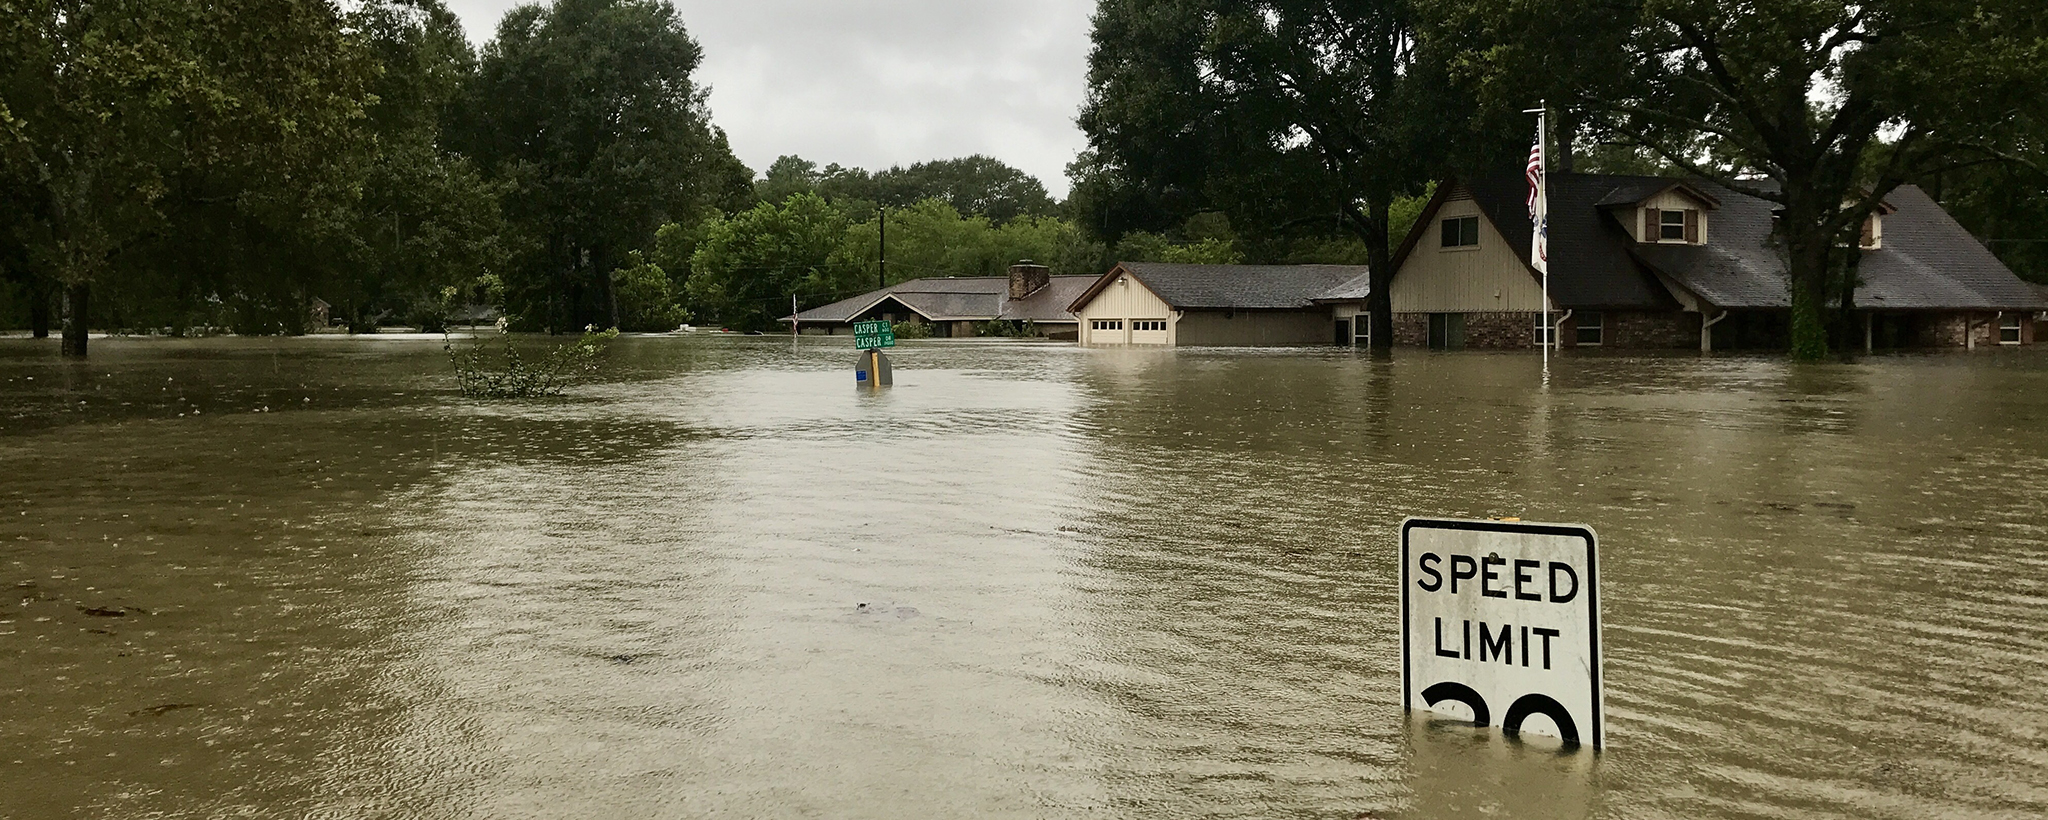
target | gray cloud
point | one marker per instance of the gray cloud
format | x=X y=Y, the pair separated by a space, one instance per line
x=889 y=82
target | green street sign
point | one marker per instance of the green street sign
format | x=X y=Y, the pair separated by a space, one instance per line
x=871 y=335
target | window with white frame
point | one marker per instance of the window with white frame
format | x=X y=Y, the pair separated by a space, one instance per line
x=1589 y=329
x=1671 y=226
x=1461 y=232
x=1546 y=332
x=2008 y=328
x=1148 y=324
x=1106 y=324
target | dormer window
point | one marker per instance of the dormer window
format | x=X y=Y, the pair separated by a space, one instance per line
x=1672 y=226
x=1873 y=232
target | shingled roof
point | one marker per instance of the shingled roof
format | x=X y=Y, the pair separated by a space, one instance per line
x=1927 y=260
x=1229 y=287
x=966 y=298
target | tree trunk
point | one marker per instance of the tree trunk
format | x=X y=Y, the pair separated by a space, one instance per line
x=39 y=312
x=77 y=311
x=1807 y=262
x=1847 y=329
x=1379 y=301
x=1565 y=133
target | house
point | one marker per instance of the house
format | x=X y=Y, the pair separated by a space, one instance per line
x=955 y=306
x=1652 y=262
x=1157 y=303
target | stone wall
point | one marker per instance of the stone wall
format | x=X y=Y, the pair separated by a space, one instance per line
x=1411 y=329
x=1946 y=330
x=1640 y=330
x=1499 y=331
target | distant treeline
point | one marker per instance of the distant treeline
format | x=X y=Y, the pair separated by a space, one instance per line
x=170 y=165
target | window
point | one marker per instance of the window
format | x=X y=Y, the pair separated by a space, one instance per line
x=1461 y=232
x=1589 y=327
x=1546 y=333
x=1872 y=232
x=2009 y=328
x=1106 y=324
x=1148 y=324
x=1671 y=226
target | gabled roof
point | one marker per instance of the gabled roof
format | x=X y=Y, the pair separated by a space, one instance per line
x=1926 y=262
x=1228 y=287
x=965 y=298
x=1644 y=189
x=1590 y=266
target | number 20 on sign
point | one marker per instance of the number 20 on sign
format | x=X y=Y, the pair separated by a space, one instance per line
x=1503 y=619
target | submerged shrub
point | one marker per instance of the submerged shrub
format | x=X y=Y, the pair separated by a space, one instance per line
x=513 y=376
x=911 y=329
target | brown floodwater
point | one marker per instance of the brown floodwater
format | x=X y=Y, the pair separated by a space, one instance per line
x=305 y=578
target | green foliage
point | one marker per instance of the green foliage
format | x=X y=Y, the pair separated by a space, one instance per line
x=510 y=375
x=647 y=299
x=931 y=238
x=589 y=111
x=178 y=151
x=748 y=264
x=1143 y=246
x=1000 y=328
x=428 y=228
x=977 y=185
x=911 y=329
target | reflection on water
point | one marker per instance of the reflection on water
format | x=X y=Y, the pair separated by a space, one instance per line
x=302 y=578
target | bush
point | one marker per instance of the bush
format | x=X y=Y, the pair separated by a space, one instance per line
x=647 y=299
x=912 y=329
x=516 y=378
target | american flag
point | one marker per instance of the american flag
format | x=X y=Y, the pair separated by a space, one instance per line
x=1539 y=207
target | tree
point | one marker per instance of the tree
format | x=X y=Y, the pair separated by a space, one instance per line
x=125 y=118
x=647 y=300
x=1288 y=115
x=1821 y=106
x=748 y=265
x=588 y=111
x=428 y=221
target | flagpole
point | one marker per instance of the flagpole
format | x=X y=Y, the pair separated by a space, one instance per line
x=1539 y=218
x=1543 y=168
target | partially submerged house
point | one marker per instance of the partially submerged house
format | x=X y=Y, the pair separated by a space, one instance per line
x=1651 y=262
x=1157 y=303
x=956 y=306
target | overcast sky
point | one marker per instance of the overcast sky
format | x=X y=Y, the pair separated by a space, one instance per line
x=885 y=82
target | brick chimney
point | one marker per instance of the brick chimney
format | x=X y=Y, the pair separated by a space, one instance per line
x=1026 y=277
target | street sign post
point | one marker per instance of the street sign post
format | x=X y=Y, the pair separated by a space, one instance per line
x=872 y=335
x=1503 y=618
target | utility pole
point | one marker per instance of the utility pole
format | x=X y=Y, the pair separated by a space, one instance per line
x=882 y=277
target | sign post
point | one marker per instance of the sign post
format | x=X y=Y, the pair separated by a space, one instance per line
x=872 y=368
x=1504 y=619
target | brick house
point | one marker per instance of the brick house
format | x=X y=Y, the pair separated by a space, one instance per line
x=1651 y=262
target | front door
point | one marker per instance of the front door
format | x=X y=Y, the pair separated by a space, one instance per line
x=1343 y=337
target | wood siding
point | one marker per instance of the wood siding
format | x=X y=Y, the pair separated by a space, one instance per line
x=1257 y=328
x=1127 y=300
x=1487 y=279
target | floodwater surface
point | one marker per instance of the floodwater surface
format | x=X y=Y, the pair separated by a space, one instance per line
x=305 y=578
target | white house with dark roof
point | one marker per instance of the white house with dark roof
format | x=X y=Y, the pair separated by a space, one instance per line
x=1648 y=262
x=1156 y=303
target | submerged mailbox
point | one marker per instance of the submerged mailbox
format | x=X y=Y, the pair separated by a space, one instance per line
x=1503 y=618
